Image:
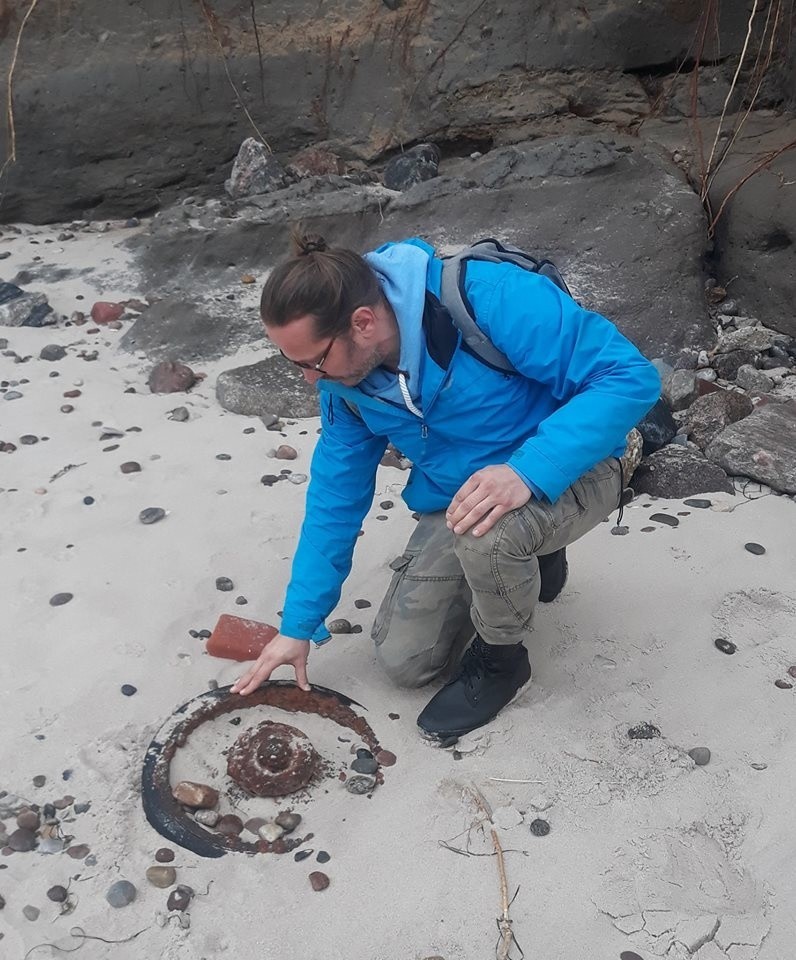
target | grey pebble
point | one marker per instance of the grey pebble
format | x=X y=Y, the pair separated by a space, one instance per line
x=28 y=439
x=151 y=515
x=223 y=456
x=665 y=518
x=302 y=855
x=180 y=414
x=360 y=784
x=698 y=504
x=57 y=894
x=121 y=893
x=59 y=599
x=31 y=913
x=700 y=756
x=297 y=478
x=224 y=584
x=757 y=549
x=362 y=604
x=339 y=626
x=540 y=828
x=323 y=857
x=12 y=395
x=241 y=601
x=52 y=351
x=128 y=689
x=365 y=765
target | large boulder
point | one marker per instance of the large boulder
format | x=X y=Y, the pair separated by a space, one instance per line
x=762 y=446
x=256 y=170
x=657 y=428
x=709 y=415
x=268 y=388
x=676 y=472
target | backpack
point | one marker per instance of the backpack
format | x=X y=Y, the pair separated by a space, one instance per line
x=455 y=301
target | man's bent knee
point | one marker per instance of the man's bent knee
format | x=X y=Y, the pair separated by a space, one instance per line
x=408 y=672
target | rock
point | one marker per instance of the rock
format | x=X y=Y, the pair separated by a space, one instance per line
x=83 y=807
x=339 y=626
x=288 y=821
x=676 y=472
x=756 y=339
x=151 y=515
x=726 y=646
x=755 y=548
x=323 y=857
x=180 y=414
x=59 y=599
x=28 y=820
x=783 y=684
x=195 y=795
x=169 y=376
x=26 y=310
x=224 y=584
x=360 y=784
x=104 y=311
x=698 y=504
x=241 y=601
x=267 y=388
x=644 y=731
x=680 y=389
x=631 y=458
x=208 y=818
x=57 y=894
x=365 y=765
x=362 y=604
x=22 y=841
x=709 y=415
x=28 y=439
x=700 y=756
x=665 y=519
x=540 y=828
x=416 y=165
x=302 y=855
x=128 y=689
x=164 y=855
x=13 y=395
x=130 y=467
x=180 y=898
x=161 y=876
x=762 y=446
x=314 y=162
x=79 y=851
x=753 y=380
x=256 y=170
x=285 y=452
x=298 y=478
x=318 y=880
x=30 y=912
x=386 y=758
x=52 y=351
x=230 y=825
x=121 y=894
x=271 y=831
x=727 y=365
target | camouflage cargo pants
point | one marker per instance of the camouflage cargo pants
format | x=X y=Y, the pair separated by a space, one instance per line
x=447 y=587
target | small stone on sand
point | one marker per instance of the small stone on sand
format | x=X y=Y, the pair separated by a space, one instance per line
x=121 y=894
x=700 y=756
x=59 y=599
x=319 y=881
x=757 y=549
x=151 y=515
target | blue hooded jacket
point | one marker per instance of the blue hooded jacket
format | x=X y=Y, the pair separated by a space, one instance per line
x=580 y=387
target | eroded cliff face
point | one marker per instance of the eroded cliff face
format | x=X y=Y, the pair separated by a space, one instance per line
x=119 y=106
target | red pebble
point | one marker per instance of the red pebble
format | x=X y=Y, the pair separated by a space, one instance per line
x=319 y=880
x=386 y=758
x=104 y=311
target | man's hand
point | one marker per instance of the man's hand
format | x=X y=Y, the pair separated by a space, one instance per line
x=485 y=498
x=280 y=650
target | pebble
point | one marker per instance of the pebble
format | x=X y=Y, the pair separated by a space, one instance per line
x=783 y=684
x=130 y=467
x=31 y=913
x=57 y=894
x=726 y=646
x=700 y=756
x=164 y=855
x=208 y=818
x=241 y=601
x=39 y=780
x=271 y=831
x=248 y=429
x=386 y=504
x=323 y=857
x=755 y=548
x=362 y=604
x=665 y=518
x=759 y=766
x=360 y=784
x=128 y=689
x=180 y=898
x=230 y=825
x=792 y=671
x=22 y=841
x=151 y=515
x=698 y=504
x=297 y=478
x=88 y=501
x=365 y=765
x=67 y=408
x=196 y=795
x=223 y=456
x=302 y=855
x=540 y=828
x=13 y=395
x=648 y=529
x=180 y=414
x=52 y=351
x=121 y=894
x=51 y=845
x=161 y=876
x=205 y=634
x=339 y=626
x=643 y=731
x=224 y=584
x=83 y=807
x=28 y=820
x=288 y=821
x=64 y=802
x=386 y=758
x=28 y=439
x=319 y=881
x=629 y=955
x=268 y=480
x=285 y=452
x=59 y=599
x=79 y=851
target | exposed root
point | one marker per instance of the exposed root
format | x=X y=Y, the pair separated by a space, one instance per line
x=12 y=131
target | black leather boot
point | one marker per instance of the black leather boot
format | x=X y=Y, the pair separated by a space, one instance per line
x=490 y=676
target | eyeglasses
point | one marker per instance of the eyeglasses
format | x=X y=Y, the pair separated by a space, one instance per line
x=317 y=367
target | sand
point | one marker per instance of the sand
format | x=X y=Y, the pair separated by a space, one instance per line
x=646 y=851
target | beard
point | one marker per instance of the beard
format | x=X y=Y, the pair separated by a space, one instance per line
x=361 y=365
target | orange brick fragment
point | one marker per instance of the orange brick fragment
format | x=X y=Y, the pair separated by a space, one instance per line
x=235 y=638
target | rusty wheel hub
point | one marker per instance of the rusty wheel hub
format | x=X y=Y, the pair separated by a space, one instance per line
x=272 y=760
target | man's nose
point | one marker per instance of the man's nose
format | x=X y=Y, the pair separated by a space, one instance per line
x=312 y=376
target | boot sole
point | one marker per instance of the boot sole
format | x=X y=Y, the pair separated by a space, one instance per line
x=449 y=738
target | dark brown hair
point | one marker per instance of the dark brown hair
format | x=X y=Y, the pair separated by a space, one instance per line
x=327 y=282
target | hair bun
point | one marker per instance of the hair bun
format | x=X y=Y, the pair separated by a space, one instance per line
x=307 y=243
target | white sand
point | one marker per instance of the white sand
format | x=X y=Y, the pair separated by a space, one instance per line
x=641 y=840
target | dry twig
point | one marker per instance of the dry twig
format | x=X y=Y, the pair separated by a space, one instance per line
x=12 y=130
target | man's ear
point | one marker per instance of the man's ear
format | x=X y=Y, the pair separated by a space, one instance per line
x=364 y=322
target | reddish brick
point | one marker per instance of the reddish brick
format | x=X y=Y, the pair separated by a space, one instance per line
x=103 y=311
x=235 y=638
